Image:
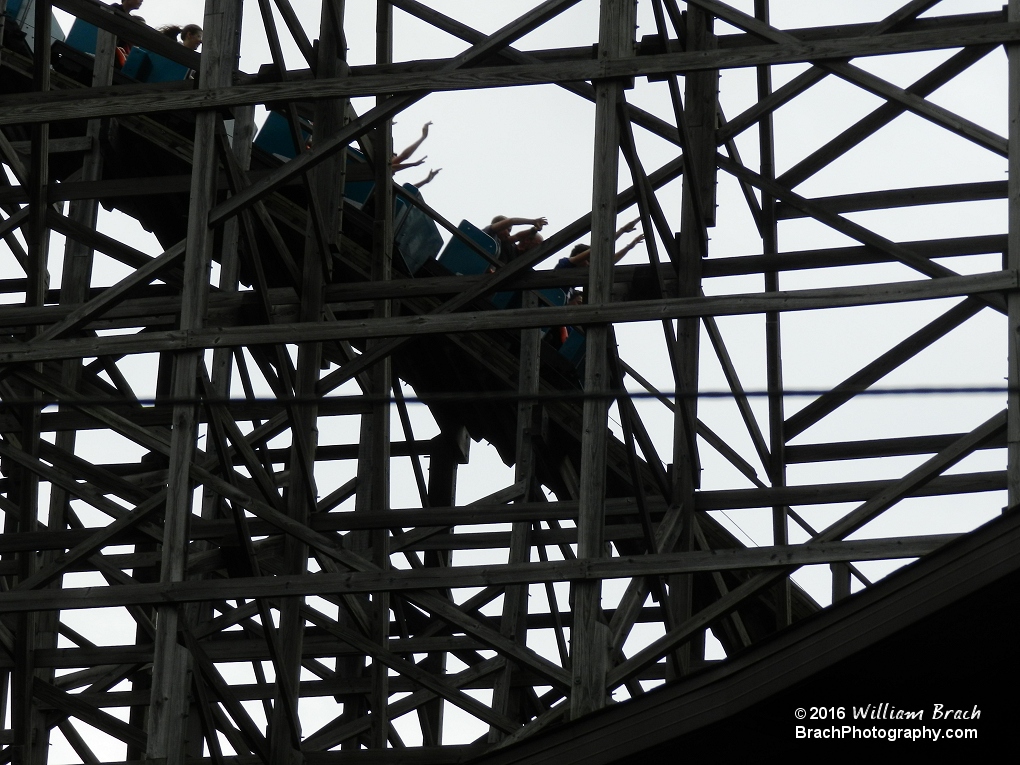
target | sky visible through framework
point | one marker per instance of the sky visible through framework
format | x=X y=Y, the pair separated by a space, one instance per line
x=527 y=152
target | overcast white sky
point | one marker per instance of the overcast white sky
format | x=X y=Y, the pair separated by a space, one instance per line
x=527 y=152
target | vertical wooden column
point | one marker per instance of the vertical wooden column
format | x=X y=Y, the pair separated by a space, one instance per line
x=38 y=235
x=1013 y=264
x=28 y=723
x=169 y=695
x=446 y=451
x=3 y=22
x=840 y=581
x=590 y=634
x=773 y=338
x=75 y=280
x=327 y=120
x=702 y=91
x=241 y=133
x=375 y=471
x=515 y=600
x=230 y=262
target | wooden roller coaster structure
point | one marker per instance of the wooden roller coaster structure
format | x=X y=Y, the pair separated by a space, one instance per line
x=260 y=611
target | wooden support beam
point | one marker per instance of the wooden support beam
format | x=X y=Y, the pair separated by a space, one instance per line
x=881 y=200
x=413 y=581
x=876 y=85
x=170 y=662
x=1013 y=263
x=584 y=315
x=266 y=544
x=152 y=99
x=107 y=245
x=514 y=620
x=882 y=116
x=371 y=119
x=883 y=365
x=29 y=730
x=336 y=731
x=733 y=381
x=844 y=226
x=881 y=447
x=589 y=638
x=450 y=25
x=298 y=33
x=492 y=282
x=410 y=670
x=121 y=25
x=855 y=491
x=834 y=257
x=815 y=74
x=88 y=714
x=838 y=530
x=776 y=464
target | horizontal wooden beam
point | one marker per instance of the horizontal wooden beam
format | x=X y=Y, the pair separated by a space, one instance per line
x=871 y=373
x=224 y=532
x=480 y=321
x=109 y=102
x=467 y=576
x=880 y=447
x=159 y=185
x=132 y=30
x=881 y=200
x=858 y=491
x=833 y=257
x=154 y=416
x=71 y=145
x=225 y=307
x=427 y=286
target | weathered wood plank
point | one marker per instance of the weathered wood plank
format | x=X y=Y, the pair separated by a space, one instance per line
x=479 y=321
x=835 y=257
x=1013 y=262
x=729 y=499
x=863 y=79
x=150 y=99
x=862 y=129
x=589 y=639
x=471 y=576
x=843 y=392
x=877 y=504
x=102 y=16
x=883 y=447
x=881 y=200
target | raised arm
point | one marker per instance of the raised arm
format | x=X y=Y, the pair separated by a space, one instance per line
x=395 y=167
x=627 y=228
x=508 y=223
x=536 y=226
x=432 y=174
x=399 y=158
x=619 y=255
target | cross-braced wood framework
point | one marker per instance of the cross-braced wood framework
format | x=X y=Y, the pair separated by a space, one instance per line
x=277 y=614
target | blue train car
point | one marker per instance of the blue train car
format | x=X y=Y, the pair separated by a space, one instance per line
x=358 y=192
x=417 y=236
x=460 y=259
x=146 y=66
x=274 y=137
x=418 y=239
x=23 y=12
x=83 y=37
x=572 y=349
x=549 y=296
x=18 y=9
